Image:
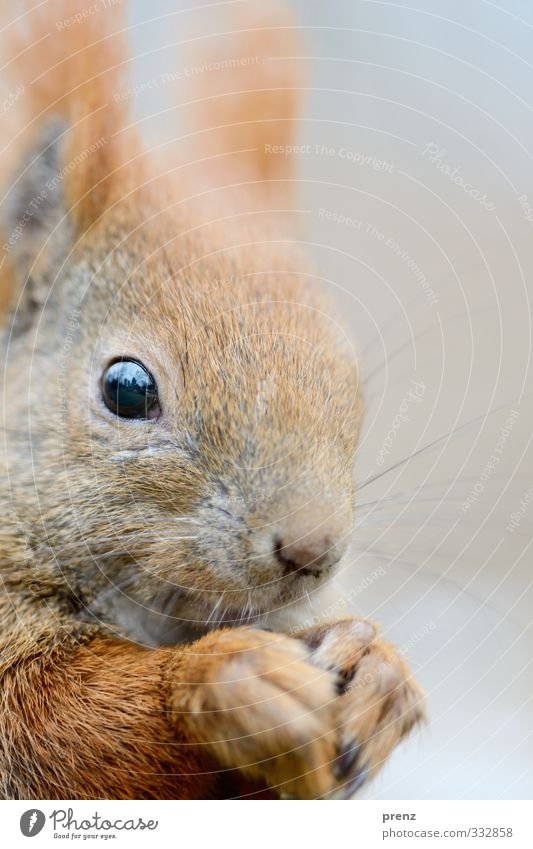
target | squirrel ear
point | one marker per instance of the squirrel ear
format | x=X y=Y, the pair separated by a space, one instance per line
x=249 y=100
x=36 y=232
x=73 y=168
x=66 y=182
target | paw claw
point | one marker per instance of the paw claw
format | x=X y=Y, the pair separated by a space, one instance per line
x=356 y=782
x=345 y=763
x=344 y=679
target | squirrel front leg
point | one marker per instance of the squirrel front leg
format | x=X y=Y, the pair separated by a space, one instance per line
x=84 y=715
x=92 y=721
x=109 y=719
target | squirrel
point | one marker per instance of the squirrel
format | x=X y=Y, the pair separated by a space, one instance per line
x=180 y=418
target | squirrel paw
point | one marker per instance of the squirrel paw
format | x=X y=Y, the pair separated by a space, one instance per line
x=310 y=717
x=252 y=701
x=378 y=701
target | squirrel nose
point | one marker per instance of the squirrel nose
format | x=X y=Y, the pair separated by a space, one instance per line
x=310 y=555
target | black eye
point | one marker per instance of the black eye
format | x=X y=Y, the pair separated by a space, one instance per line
x=129 y=390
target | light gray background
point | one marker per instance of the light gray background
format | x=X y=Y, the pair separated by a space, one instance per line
x=454 y=590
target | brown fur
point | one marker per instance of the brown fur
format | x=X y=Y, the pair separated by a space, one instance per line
x=120 y=533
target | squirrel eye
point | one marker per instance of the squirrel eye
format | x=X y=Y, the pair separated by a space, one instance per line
x=130 y=391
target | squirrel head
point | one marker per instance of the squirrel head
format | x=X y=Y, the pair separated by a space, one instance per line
x=193 y=411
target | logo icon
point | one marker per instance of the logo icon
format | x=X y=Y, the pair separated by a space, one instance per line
x=32 y=822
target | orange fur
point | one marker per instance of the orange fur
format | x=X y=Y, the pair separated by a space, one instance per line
x=125 y=545
x=70 y=73
x=254 y=101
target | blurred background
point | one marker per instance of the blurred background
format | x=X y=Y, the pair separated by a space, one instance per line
x=416 y=198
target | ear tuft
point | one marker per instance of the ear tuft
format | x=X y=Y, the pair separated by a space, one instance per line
x=67 y=61
x=38 y=233
x=62 y=63
x=249 y=95
x=34 y=204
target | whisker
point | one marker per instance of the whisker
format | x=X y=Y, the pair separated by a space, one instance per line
x=433 y=485
x=424 y=571
x=434 y=442
x=406 y=310
x=432 y=327
x=214 y=610
x=119 y=537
